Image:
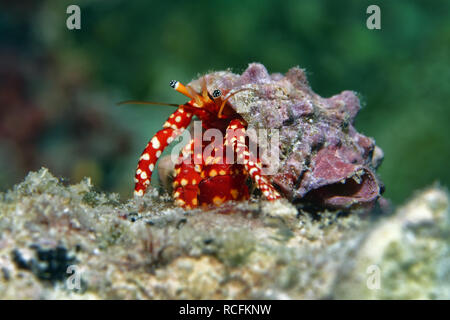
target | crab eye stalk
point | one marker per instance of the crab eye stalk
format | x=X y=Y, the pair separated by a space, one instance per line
x=187 y=91
x=216 y=93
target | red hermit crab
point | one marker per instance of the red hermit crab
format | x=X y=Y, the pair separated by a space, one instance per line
x=322 y=159
x=203 y=178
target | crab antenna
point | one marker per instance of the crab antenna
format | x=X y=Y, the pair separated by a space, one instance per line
x=178 y=86
x=148 y=102
x=204 y=89
x=219 y=114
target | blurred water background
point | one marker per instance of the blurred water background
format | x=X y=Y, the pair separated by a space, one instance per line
x=59 y=87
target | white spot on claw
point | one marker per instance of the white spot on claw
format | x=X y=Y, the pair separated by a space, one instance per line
x=155 y=143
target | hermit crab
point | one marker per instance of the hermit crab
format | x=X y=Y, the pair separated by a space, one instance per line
x=202 y=179
x=322 y=159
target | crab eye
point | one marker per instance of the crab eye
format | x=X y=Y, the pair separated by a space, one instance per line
x=216 y=93
x=173 y=83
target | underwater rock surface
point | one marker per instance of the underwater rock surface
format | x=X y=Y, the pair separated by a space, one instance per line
x=62 y=241
x=323 y=159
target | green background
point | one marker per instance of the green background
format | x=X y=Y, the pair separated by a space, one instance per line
x=59 y=87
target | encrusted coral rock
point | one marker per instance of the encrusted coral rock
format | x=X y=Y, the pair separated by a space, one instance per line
x=323 y=159
x=70 y=242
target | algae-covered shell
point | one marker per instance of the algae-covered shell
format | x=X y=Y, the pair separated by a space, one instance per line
x=322 y=159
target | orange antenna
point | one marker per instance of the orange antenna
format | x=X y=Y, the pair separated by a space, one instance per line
x=219 y=93
x=148 y=102
x=204 y=89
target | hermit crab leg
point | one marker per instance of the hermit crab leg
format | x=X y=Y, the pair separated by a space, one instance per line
x=187 y=178
x=172 y=128
x=235 y=138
